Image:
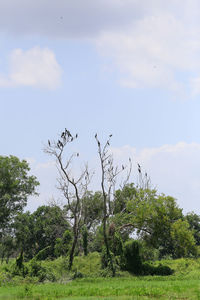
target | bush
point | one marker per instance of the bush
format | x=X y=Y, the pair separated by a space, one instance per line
x=42 y=273
x=18 y=268
x=148 y=269
x=131 y=260
x=35 y=268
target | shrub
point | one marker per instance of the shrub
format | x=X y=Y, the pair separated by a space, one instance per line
x=131 y=257
x=148 y=269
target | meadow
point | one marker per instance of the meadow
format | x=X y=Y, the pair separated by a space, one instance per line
x=183 y=284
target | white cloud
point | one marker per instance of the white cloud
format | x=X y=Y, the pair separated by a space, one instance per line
x=153 y=43
x=173 y=169
x=195 y=85
x=155 y=51
x=35 y=67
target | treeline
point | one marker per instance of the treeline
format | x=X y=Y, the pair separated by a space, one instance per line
x=128 y=226
x=154 y=222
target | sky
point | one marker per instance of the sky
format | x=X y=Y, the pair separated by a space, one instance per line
x=126 y=67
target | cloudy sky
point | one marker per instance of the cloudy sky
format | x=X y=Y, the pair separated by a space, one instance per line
x=126 y=67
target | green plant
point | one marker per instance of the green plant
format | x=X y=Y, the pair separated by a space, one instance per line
x=148 y=269
x=131 y=257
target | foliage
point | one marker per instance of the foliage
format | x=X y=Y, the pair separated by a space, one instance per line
x=62 y=245
x=24 y=230
x=85 y=240
x=149 y=269
x=194 y=222
x=15 y=187
x=131 y=256
x=123 y=288
x=49 y=224
x=148 y=215
x=116 y=244
x=104 y=221
x=6 y=247
x=148 y=253
x=40 y=230
x=92 y=209
x=105 y=258
x=183 y=239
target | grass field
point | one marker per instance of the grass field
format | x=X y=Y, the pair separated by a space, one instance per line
x=183 y=284
x=107 y=288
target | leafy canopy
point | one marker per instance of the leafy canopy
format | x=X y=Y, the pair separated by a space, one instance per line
x=15 y=187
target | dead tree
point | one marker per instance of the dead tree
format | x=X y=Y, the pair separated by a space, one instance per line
x=109 y=175
x=73 y=189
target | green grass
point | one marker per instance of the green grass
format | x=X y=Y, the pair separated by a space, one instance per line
x=107 y=288
x=183 y=284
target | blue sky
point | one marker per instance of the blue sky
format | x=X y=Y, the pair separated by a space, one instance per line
x=130 y=68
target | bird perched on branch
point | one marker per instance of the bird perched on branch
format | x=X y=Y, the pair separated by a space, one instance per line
x=139 y=168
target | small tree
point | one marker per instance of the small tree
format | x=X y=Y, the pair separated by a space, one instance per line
x=73 y=189
x=132 y=259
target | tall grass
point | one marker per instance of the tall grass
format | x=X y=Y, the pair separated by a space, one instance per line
x=115 y=288
x=183 y=284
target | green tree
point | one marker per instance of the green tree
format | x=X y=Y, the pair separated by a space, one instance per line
x=63 y=245
x=194 y=222
x=6 y=247
x=24 y=232
x=92 y=209
x=183 y=239
x=15 y=187
x=49 y=224
x=39 y=230
x=149 y=215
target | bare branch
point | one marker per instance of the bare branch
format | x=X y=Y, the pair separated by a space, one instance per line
x=72 y=188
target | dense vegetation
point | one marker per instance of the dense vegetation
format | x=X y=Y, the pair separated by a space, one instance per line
x=111 y=232
x=183 y=284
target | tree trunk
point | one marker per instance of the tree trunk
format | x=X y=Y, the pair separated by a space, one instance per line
x=71 y=256
x=109 y=256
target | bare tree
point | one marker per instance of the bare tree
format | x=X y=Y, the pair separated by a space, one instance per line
x=109 y=175
x=144 y=181
x=73 y=189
